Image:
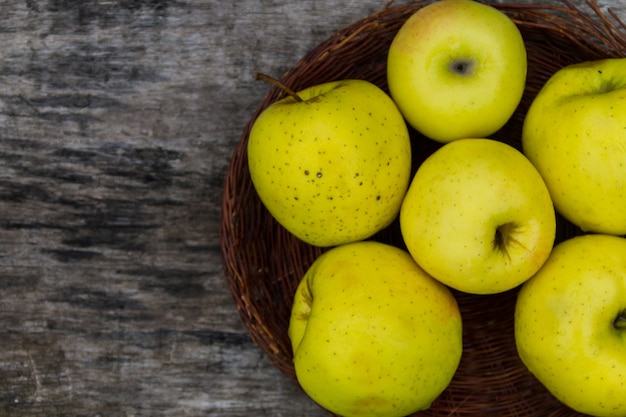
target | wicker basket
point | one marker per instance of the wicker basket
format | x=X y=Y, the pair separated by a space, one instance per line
x=263 y=262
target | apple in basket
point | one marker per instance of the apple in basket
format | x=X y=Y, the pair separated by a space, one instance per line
x=372 y=333
x=457 y=69
x=570 y=324
x=478 y=216
x=575 y=134
x=332 y=162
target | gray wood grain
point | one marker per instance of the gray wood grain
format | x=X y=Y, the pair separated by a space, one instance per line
x=117 y=123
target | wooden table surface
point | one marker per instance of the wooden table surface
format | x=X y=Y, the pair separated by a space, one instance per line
x=118 y=119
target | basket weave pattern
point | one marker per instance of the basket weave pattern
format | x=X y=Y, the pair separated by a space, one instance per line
x=263 y=263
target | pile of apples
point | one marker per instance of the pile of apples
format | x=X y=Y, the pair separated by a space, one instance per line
x=375 y=329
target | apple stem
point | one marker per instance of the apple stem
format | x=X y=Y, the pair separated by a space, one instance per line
x=620 y=321
x=283 y=87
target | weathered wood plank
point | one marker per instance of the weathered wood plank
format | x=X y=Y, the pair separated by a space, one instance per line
x=117 y=122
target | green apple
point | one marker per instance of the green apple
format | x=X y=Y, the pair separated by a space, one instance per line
x=372 y=333
x=478 y=216
x=332 y=163
x=457 y=69
x=570 y=324
x=574 y=133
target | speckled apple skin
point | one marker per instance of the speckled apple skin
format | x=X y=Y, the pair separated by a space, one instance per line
x=372 y=333
x=574 y=133
x=457 y=200
x=334 y=168
x=564 y=324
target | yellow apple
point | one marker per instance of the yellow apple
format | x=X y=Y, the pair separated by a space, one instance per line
x=457 y=69
x=478 y=216
x=574 y=133
x=570 y=324
x=333 y=163
x=372 y=333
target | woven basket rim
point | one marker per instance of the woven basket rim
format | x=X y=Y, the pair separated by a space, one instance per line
x=246 y=252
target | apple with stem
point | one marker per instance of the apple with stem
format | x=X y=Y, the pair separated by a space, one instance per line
x=574 y=134
x=332 y=162
x=570 y=324
x=478 y=216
